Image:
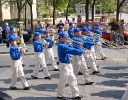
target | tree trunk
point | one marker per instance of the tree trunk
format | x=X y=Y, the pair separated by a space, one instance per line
x=119 y=4
x=93 y=5
x=87 y=10
x=19 y=9
x=117 y=10
x=53 y=15
x=67 y=9
x=19 y=17
x=31 y=18
x=54 y=11
x=25 y=16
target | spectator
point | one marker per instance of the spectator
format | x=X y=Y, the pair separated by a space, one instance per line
x=114 y=31
x=66 y=24
x=79 y=19
x=47 y=24
x=102 y=19
x=37 y=26
x=1 y=37
x=121 y=30
x=7 y=30
x=60 y=23
x=73 y=20
x=68 y=20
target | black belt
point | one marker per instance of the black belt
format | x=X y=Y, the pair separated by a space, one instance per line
x=15 y=59
x=113 y=30
x=66 y=62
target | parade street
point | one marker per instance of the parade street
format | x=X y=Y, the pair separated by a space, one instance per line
x=109 y=84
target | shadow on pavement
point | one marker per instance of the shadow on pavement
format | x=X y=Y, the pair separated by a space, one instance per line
x=118 y=83
x=4 y=66
x=4 y=89
x=4 y=52
x=31 y=65
x=28 y=71
x=116 y=94
x=114 y=75
x=36 y=98
x=115 y=68
x=8 y=81
x=46 y=87
x=57 y=75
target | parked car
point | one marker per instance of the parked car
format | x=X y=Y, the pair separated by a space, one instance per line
x=27 y=33
x=103 y=26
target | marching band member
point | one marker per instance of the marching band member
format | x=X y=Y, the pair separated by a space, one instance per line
x=60 y=29
x=12 y=33
x=91 y=34
x=66 y=69
x=20 y=34
x=38 y=49
x=48 y=51
x=89 y=54
x=71 y=29
x=16 y=65
x=98 y=43
x=79 y=62
x=41 y=27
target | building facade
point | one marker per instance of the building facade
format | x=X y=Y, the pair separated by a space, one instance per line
x=11 y=12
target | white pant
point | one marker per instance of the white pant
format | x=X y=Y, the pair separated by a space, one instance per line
x=40 y=60
x=21 y=60
x=66 y=74
x=50 y=56
x=23 y=44
x=125 y=96
x=88 y=55
x=17 y=70
x=99 y=49
x=78 y=63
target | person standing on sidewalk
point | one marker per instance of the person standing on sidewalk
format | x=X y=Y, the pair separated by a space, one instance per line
x=7 y=32
x=1 y=37
x=114 y=31
x=121 y=30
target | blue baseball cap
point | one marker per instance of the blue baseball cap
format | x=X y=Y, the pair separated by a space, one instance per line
x=63 y=34
x=77 y=29
x=97 y=24
x=60 y=27
x=97 y=31
x=12 y=28
x=40 y=24
x=85 y=29
x=46 y=32
x=41 y=31
x=36 y=34
x=71 y=23
x=89 y=28
x=12 y=38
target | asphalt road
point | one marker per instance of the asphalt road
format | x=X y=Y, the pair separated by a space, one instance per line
x=110 y=84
